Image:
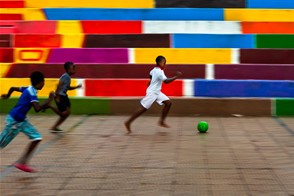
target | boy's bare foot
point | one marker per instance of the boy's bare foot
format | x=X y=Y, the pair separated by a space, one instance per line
x=56 y=130
x=162 y=124
x=128 y=127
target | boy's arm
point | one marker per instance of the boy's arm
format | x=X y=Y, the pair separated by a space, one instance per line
x=11 y=90
x=74 y=87
x=44 y=105
x=169 y=80
x=149 y=80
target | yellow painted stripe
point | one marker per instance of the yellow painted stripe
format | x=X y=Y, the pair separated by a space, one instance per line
x=31 y=55
x=69 y=27
x=72 y=41
x=4 y=67
x=28 y=13
x=50 y=85
x=183 y=55
x=270 y=15
x=90 y=3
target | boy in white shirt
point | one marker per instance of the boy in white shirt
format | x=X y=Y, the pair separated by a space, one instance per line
x=154 y=93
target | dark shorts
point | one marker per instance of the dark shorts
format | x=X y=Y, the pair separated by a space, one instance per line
x=63 y=104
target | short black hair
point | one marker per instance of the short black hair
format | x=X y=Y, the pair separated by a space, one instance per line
x=67 y=65
x=159 y=59
x=37 y=77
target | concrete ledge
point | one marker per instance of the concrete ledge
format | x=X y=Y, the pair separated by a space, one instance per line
x=180 y=107
x=199 y=106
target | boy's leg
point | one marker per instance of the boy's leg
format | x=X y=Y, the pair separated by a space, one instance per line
x=62 y=117
x=163 y=99
x=12 y=128
x=135 y=115
x=146 y=103
x=165 y=110
x=30 y=131
x=63 y=112
x=22 y=163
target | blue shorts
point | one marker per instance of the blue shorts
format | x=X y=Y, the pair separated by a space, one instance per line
x=13 y=127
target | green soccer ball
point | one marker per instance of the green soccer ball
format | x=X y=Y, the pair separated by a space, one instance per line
x=202 y=127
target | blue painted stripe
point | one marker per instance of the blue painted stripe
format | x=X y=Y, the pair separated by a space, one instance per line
x=278 y=4
x=213 y=41
x=243 y=88
x=134 y=14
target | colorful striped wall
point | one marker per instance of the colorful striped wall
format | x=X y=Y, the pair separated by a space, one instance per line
x=147 y=55
x=227 y=50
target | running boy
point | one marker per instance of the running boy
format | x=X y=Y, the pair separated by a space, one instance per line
x=154 y=93
x=61 y=97
x=16 y=120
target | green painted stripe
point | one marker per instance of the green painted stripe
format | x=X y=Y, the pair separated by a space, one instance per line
x=274 y=41
x=6 y=105
x=90 y=105
x=284 y=107
x=78 y=106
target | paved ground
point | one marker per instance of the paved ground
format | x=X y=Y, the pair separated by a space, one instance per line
x=238 y=156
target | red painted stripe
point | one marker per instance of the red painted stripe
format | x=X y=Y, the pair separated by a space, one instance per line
x=124 y=87
x=12 y=4
x=7 y=26
x=36 y=27
x=33 y=41
x=11 y=17
x=6 y=55
x=114 y=27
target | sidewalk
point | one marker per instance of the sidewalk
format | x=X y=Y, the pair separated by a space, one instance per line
x=237 y=156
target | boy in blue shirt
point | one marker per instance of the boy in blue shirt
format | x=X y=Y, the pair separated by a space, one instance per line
x=16 y=120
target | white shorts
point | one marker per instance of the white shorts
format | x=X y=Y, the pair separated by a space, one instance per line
x=149 y=99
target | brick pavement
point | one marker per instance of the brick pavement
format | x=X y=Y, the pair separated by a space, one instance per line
x=238 y=156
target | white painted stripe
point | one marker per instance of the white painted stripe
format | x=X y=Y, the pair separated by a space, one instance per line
x=188 y=88
x=131 y=53
x=204 y=27
x=209 y=71
x=235 y=56
x=81 y=91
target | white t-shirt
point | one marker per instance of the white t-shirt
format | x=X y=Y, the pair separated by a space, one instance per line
x=158 y=77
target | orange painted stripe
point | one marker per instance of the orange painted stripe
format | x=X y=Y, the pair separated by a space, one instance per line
x=268 y=27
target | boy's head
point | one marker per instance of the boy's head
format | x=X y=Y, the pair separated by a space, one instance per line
x=37 y=80
x=161 y=61
x=70 y=67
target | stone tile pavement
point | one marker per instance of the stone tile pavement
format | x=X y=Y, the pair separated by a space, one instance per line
x=237 y=156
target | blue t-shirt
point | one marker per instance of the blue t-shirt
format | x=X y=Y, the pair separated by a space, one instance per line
x=20 y=110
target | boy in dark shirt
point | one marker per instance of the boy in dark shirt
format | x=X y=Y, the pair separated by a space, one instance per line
x=61 y=98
